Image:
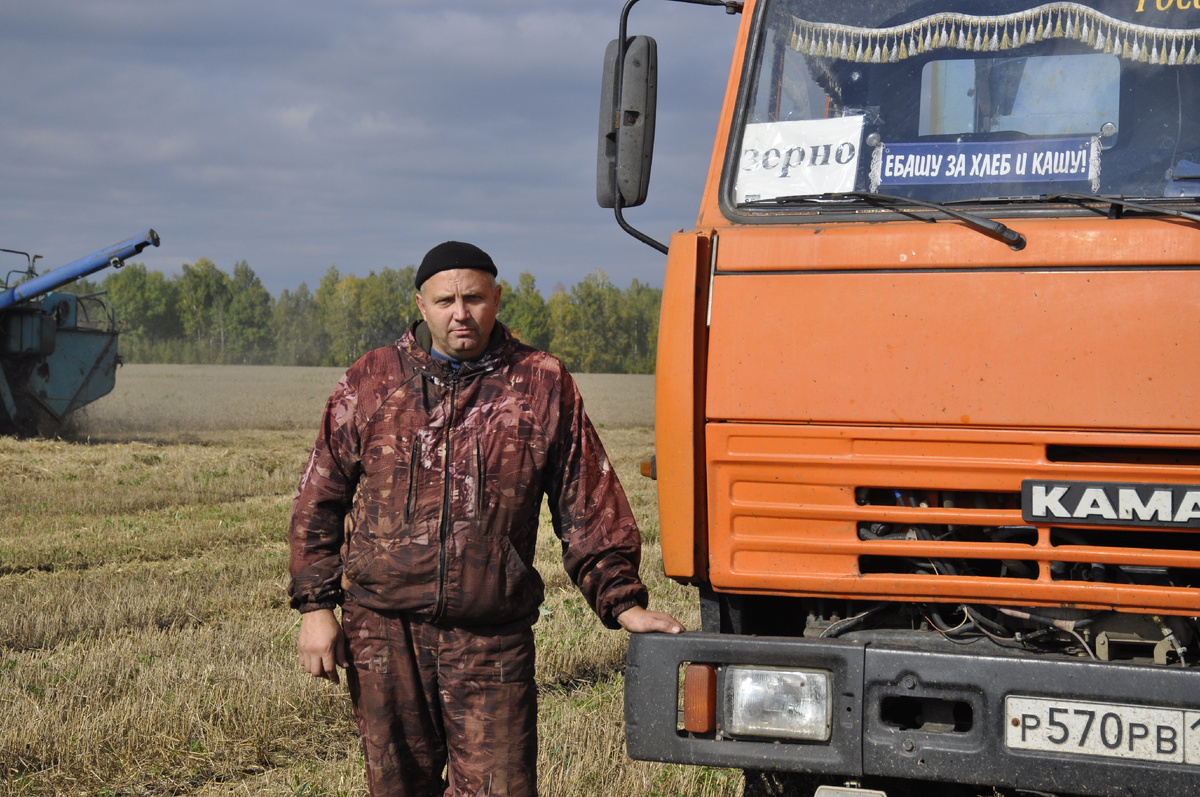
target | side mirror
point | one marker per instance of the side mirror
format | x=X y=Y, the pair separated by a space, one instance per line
x=626 y=143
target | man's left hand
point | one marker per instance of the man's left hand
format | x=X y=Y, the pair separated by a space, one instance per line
x=640 y=621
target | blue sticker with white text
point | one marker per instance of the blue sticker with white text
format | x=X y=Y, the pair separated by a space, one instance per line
x=958 y=163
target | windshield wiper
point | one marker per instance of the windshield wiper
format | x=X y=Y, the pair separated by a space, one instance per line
x=1120 y=202
x=989 y=227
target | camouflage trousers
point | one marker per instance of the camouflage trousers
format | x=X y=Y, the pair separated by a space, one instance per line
x=429 y=700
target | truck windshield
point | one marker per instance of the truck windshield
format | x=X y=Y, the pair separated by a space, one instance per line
x=942 y=101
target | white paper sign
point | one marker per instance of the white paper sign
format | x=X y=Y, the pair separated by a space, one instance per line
x=815 y=156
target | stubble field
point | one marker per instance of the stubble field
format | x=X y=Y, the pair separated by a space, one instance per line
x=147 y=647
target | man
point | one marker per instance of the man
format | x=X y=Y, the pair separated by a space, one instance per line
x=439 y=450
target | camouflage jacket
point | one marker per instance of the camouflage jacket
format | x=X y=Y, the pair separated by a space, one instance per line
x=442 y=473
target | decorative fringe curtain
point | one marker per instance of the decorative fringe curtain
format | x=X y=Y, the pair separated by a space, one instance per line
x=1166 y=46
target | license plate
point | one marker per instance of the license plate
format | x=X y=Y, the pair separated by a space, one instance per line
x=1108 y=730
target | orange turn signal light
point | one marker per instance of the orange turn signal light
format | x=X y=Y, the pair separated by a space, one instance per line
x=700 y=698
x=649 y=468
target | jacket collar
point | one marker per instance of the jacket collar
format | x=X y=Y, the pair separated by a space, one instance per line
x=418 y=342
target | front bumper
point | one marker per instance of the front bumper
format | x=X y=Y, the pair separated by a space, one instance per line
x=907 y=713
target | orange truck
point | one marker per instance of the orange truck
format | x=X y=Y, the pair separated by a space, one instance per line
x=928 y=400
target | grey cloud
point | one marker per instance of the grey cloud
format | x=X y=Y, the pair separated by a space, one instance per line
x=303 y=134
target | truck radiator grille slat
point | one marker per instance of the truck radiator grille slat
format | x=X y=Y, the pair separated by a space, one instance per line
x=908 y=515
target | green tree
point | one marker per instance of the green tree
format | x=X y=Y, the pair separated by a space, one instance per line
x=204 y=295
x=339 y=300
x=205 y=315
x=587 y=332
x=296 y=328
x=525 y=312
x=248 y=317
x=146 y=301
x=386 y=306
x=640 y=305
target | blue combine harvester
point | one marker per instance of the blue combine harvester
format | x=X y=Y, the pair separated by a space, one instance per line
x=58 y=351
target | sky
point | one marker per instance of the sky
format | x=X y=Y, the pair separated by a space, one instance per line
x=302 y=134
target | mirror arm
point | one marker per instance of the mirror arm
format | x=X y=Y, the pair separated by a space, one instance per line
x=641 y=236
x=618 y=85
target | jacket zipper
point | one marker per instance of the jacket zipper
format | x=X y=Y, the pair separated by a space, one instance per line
x=414 y=464
x=444 y=531
x=480 y=481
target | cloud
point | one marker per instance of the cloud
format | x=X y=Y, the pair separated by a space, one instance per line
x=297 y=135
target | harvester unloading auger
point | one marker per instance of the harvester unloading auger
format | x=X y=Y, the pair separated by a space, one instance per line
x=58 y=351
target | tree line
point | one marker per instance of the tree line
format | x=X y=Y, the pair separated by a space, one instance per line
x=205 y=315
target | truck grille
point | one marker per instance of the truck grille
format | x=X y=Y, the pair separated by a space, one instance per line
x=935 y=515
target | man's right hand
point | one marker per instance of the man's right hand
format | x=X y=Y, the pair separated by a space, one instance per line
x=322 y=644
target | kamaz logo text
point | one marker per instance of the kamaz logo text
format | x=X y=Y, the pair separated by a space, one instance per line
x=1110 y=504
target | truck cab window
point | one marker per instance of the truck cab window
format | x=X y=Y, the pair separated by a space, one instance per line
x=1039 y=96
x=945 y=104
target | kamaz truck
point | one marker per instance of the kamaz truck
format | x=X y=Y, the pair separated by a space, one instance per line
x=928 y=400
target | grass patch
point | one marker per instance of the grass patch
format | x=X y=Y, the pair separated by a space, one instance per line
x=148 y=648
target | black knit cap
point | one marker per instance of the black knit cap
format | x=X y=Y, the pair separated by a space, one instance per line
x=453 y=254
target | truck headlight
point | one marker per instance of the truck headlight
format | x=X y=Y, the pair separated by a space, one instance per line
x=777 y=702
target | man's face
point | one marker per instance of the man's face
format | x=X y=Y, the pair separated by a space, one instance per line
x=460 y=307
